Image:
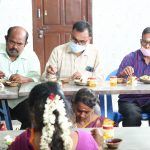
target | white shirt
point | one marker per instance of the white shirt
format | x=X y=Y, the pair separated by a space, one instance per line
x=27 y=65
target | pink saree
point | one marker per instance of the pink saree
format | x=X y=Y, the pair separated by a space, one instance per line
x=85 y=141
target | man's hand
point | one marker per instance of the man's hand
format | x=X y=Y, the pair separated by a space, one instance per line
x=2 y=75
x=76 y=75
x=128 y=71
x=51 y=70
x=19 y=78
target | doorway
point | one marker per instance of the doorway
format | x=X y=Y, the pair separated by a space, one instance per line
x=52 y=23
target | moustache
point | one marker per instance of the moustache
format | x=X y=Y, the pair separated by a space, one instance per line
x=13 y=52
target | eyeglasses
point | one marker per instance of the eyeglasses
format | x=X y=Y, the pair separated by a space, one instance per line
x=144 y=42
x=80 y=42
x=11 y=42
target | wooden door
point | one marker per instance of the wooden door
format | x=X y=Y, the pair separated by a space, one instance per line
x=52 y=23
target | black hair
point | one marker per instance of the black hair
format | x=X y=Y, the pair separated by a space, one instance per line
x=81 y=26
x=146 y=31
x=37 y=100
x=10 y=30
x=87 y=97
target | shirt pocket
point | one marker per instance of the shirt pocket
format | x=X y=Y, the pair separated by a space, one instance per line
x=23 y=68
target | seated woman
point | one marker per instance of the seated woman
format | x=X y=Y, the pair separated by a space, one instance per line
x=84 y=102
x=50 y=125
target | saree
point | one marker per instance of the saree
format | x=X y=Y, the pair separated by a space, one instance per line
x=22 y=142
x=86 y=141
x=98 y=122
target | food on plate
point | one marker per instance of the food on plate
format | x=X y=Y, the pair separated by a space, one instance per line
x=65 y=80
x=52 y=78
x=145 y=77
x=11 y=83
x=121 y=80
x=2 y=80
x=80 y=82
x=8 y=139
x=131 y=80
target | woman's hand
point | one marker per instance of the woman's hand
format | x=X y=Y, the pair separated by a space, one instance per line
x=98 y=138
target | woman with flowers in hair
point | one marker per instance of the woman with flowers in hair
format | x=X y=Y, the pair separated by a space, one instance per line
x=50 y=125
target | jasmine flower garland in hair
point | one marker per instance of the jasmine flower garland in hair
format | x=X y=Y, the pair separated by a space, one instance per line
x=55 y=103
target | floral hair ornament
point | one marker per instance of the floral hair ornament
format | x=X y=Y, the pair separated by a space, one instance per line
x=51 y=96
x=55 y=103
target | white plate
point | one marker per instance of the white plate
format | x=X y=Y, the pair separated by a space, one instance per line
x=145 y=81
x=80 y=83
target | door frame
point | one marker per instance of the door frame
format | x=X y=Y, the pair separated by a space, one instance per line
x=38 y=44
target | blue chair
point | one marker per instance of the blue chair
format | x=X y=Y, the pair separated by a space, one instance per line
x=110 y=114
x=109 y=100
x=116 y=116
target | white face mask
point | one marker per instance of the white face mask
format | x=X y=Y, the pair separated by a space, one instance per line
x=76 y=48
x=145 y=52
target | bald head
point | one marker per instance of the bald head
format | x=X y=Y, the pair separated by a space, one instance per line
x=16 y=40
x=17 y=30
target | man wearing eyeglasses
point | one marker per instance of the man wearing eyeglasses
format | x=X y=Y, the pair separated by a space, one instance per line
x=136 y=63
x=75 y=59
x=20 y=65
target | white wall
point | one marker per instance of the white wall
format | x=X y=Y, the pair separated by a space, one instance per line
x=117 y=27
x=15 y=12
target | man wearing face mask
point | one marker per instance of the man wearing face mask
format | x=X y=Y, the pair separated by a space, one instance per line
x=136 y=63
x=75 y=59
x=20 y=65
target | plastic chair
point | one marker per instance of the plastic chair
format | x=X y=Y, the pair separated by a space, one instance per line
x=116 y=116
x=102 y=104
x=109 y=100
x=110 y=114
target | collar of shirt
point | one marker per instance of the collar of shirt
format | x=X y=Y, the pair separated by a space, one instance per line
x=141 y=56
x=23 y=55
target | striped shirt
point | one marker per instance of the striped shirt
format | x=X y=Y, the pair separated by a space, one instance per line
x=135 y=60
